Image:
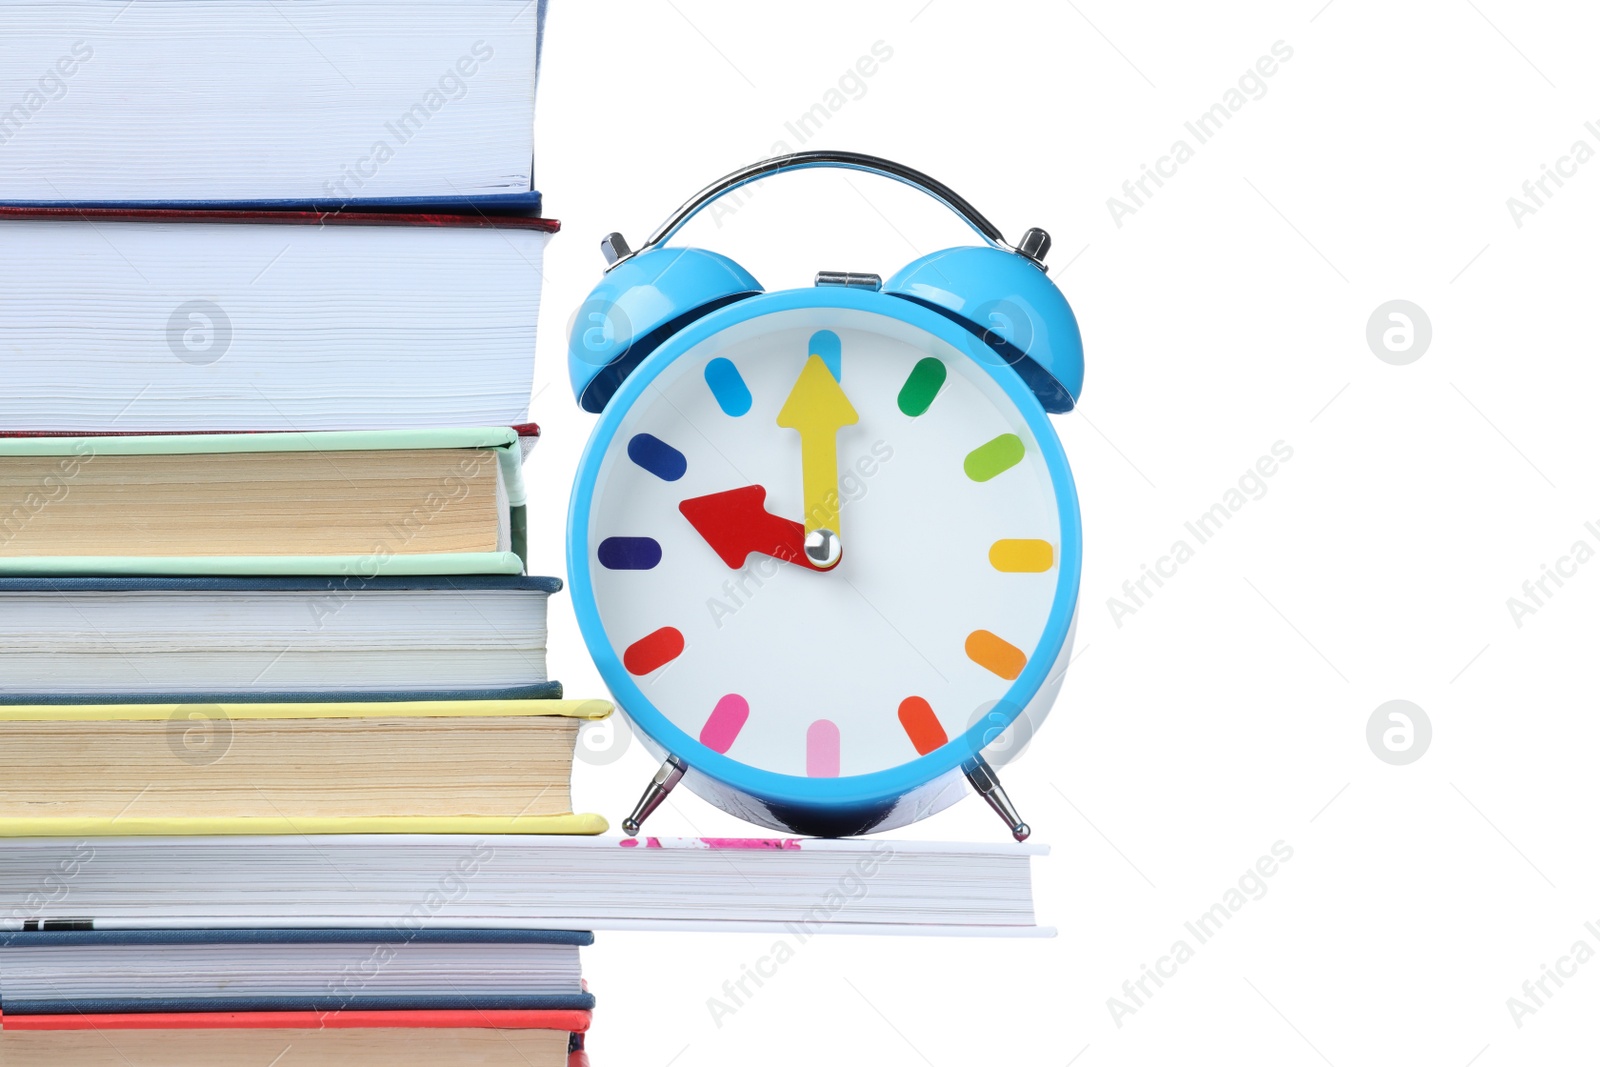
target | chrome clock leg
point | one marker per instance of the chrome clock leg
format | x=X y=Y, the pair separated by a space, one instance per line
x=983 y=779
x=670 y=774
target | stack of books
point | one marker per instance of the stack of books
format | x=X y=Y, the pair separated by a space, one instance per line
x=286 y=778
x=269 y=287
x=293 y=996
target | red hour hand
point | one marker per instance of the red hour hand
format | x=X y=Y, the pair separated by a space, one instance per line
x=736 y=523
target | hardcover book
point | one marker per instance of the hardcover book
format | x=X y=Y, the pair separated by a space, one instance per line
x=801 y=887
x=148 y=321
x=273 y=639
x=332 y=102
x=297 y=1039
x=402 y=766
x=400 y=967
x=378 y=501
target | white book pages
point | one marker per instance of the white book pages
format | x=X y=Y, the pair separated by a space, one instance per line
x=138 y=327
x=170 y=641
x=366 y=969
x=325 y=100
x=806 y=887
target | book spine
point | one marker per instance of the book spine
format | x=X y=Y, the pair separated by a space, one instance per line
x=519 y=533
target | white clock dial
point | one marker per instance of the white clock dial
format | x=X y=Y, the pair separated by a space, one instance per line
x=946 y=523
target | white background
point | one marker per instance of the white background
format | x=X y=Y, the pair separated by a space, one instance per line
x=1228 y=313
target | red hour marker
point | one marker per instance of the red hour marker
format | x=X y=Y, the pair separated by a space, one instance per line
x=921 y=725
x=653 y=650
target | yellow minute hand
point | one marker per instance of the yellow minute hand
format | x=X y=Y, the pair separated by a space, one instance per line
x=817 y=408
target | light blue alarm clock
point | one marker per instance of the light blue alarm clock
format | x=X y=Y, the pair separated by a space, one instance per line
x=824 y=544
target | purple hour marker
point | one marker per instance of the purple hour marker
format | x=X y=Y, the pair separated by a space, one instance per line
x=629 y=553
x=727 y=719
x=657 y=457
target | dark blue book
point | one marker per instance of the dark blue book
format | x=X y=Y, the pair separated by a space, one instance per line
x=395 y=968
x=129 y=640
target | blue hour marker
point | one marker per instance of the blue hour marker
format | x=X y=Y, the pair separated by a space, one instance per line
x=629 y=553
x=825 y=343
x=727 y=385
x=657 y=457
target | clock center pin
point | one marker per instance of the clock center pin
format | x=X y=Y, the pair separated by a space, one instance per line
x=823 y=549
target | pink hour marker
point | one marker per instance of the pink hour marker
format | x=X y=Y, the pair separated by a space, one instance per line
x=727 y=719
x=822 y=750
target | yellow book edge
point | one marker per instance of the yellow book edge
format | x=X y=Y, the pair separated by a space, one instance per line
x=229 y=826
x=421 y=709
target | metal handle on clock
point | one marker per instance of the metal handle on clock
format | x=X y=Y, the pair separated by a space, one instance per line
x=1034 y=245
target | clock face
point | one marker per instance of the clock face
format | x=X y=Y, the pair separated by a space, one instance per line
x=941 y=563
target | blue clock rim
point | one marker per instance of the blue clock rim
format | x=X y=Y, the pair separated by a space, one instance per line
x=877 y=786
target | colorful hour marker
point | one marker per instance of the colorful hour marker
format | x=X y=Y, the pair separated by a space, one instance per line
x=629 y=553
x=922 y=385
x=653 y=650
x=995 y=654
x=727 y=719
x=825 y=343
x=921 y=725
x=1022 y=555
x=657 y=457
x=993 y=457
x=822 y=750
x=727 y=385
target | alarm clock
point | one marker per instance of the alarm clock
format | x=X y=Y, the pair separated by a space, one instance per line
x=824 y=544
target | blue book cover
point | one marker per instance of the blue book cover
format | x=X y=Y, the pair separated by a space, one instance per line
x=379 y=935
x=173 y=1005
x=576 y=1001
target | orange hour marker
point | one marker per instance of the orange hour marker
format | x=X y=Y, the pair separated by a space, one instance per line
x=921 y=725
x=1022 y=555
x=995 y=654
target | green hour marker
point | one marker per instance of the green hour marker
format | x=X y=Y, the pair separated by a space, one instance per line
x=993 y=457
x=922 y=385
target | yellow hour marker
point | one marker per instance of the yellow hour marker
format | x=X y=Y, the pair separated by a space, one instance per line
x=1023 y=555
